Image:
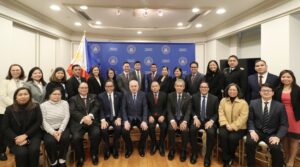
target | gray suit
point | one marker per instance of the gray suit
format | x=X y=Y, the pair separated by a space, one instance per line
x=38 y=95
x=123 y=83
x=193 y=86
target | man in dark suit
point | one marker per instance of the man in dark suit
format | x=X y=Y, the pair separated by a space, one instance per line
x=157 y=102
x=84 y=109
x=110 y=115
x=205 y=116
x=256 y=80
x=135 y=113
x=138 y=75
x=179 y=110
x=192 y=80
x=152 y=76
x=267 y=122
x=74 y=81
x=124 y=78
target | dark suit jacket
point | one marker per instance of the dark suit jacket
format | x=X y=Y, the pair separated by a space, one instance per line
x=166 y=84
x=78 y=110
x=133 y=76
x=12 y=126
x=193 y=88
x=237 y=76
x=295 y=98
x=94 y=86
x=160 y=108
x=137 y=110
x=212 y=107
x=123 y=83
x=253 y=86
x=149 y=80
x=52 y=85
x=105 y=110
x=186 y=106
x=278 y=123
x=72 y=86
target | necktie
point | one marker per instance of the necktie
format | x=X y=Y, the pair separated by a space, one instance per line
x=127 y=76
x=266 y=118
x=260 y=80
x=139 y=77
x=85 y=104
x=203 y=109
x=134 y=98
x=111 y=107
x=155 y=98
x=178 y=108
x=193 y=78
x=152 y=77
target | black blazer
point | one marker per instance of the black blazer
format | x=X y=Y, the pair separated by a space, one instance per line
x=212 y=107
x=165 y=86
x=193 y=88
x=137 y=110
x=78 y=110
x=123 y=83
x=12 y=124
x=159 y=109
x=237 y=76
x=216 y=82
x=149 y=80
x=186 y=106
x=133 y=76
x=253 y=86
x=295 y=98
x=105 y=111
x=278 y=123
x=94 y=86
x=72 y=86
x=51 y=85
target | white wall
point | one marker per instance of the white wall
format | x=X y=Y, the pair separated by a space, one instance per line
x=250 y=44
x=294 y=44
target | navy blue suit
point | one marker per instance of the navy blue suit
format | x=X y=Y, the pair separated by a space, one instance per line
x=149 y=80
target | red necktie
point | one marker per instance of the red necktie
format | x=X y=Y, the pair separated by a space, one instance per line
x=155 y=98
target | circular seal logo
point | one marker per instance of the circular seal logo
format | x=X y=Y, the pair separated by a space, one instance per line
x=95 y=48
x=165 y=49
x=113 y=60
x=182 y=61
x=148 y=61
x=131 y=49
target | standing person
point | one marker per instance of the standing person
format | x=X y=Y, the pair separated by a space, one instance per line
x=215 y=79
x=111 y=76
x=261 y=77
x=165 y=80
x=233 y=115
x=205 y=116
x=111 y=115
x=84 y=109
x=21 y=126
x=58 y=79
x=192 y=80
x=152 y=76
x=236 y=74
x=56 y=138
x=135 y=113
x=138 y=75
x=179 y=109
x=177 y=72
x=267 y=122
x=74 y=81
x=288 y=93
x=95 y=81
x=124 y=78
x=157 y=102
x=36 y=84
x=13 y=81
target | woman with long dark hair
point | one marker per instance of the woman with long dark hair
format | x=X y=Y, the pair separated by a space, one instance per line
x=111 y=76
x=95 y=81
x=165 y=80
x=177 y=72
x=58 y=79
x=36 y=84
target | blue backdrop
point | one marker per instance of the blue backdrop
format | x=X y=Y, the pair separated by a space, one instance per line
x=113 y=54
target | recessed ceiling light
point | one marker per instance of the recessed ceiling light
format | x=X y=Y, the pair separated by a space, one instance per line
x=77 y=24
x=98 y=22
x=146 y=12
x=55 y=7
x=195 y=10
x=139 y=32
x=220 y=11
x=160 y=13
x=180 y=24
x=83 y=7
x=198 y=25
x=118 y=12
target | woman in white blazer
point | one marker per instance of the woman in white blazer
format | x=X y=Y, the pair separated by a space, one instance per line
x=14 y=80
x=36 y=84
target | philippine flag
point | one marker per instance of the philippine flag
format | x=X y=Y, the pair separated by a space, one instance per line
x=80 y=58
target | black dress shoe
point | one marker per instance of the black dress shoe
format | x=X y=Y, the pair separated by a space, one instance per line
x=152 y=149
x=162 y=150
x=80 y=162
x=142 y=152
x=3 y=157
x=106 y=154
x=183 y=156
x=193 y=159
x=95 y=160
x=206 y=163
x=128 y=153
x=115 y=154
x=171 y=154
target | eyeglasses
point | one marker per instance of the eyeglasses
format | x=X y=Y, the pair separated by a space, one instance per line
x=109 y=86
x=266 y=91
x=204 y=87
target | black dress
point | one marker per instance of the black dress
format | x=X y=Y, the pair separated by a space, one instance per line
x=216 y=82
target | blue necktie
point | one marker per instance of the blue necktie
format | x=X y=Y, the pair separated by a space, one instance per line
x=178 y=108
x=111 y=107
x=203 y=109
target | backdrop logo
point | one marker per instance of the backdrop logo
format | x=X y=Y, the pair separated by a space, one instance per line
x=113 y=60
x=95 y=48
x=165 y=49
x=148 y=61
x=131 y=49
x=182 y=61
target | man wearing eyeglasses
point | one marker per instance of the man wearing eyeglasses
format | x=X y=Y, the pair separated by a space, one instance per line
x=193 y=79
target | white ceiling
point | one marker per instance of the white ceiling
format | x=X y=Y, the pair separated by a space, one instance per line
x=132 y=19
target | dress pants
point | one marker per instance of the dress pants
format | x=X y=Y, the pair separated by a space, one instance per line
x=275 y=150
x=57 y=149
x=27 y=155
x=211 y=135
x=2 y=139
x=117 y=134
x=163 y=131
x=143 y=138
x=229 y=141
x=94 y=137
x=172 y=136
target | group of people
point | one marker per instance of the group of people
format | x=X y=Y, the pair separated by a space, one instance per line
x=262 y=106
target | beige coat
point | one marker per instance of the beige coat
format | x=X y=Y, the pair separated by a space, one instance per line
x=235 y=114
